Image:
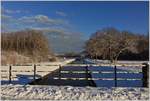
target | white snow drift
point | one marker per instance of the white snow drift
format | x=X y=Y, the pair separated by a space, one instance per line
x=28 y=92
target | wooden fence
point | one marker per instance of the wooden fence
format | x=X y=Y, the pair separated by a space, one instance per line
x=10 y=73
x=144 y=71
x=35 y=70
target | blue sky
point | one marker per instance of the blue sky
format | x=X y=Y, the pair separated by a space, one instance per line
x=87 y=17
x=75 y=18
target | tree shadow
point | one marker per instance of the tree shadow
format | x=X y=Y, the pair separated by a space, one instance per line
x=21 y=79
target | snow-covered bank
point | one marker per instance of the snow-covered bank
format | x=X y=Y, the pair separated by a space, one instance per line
x=72 y=93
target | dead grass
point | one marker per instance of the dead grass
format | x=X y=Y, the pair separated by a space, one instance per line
x=12 y=57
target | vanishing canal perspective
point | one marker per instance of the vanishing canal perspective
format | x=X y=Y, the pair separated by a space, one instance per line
x=55 y=51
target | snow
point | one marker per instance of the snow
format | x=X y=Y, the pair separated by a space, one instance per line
x=120 y=83
x=111 y=76
x=119 y=61
x=24 y=74
x=46 y=92
x=38 y=92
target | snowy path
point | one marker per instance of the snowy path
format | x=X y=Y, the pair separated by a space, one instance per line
x=29 y=92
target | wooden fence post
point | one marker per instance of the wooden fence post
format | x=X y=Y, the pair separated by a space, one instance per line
x=86 y=72
x=145 y=71
x=10 y=67
x=115 y=71
x=59 y=71
x=34 y=72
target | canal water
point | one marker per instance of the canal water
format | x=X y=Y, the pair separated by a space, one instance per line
x=62 y=79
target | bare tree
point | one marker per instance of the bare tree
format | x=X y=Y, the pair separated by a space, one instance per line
x=109 y=43
x=29 y=42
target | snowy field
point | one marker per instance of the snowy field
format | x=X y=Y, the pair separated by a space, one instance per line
x=28 y=92
x=46 y=92
x=24 y=74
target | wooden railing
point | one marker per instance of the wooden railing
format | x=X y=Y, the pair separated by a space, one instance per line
x=9 y=73
x=35 y=70
x=144 y=71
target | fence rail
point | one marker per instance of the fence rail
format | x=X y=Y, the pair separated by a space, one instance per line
x=10 y=72
x=144 y=71
x=118 y=65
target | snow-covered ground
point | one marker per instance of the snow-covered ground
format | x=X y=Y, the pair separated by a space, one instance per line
x=28 y=92
x=46 y=92
x=135 y=78
x=97 y=61
x=24 y=74
x=110 y=82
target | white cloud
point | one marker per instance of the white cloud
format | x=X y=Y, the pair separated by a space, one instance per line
x=61 y=38
x=12 y=11
x=9 y=11
x=51 y=30
x=4 y=17
x=42 y=19
x=36 y=21
x=61 y=13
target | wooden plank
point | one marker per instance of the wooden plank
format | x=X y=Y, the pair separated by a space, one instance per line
x=60 y=71
x=5 y=68
x=4 y=76
x=97 y=72
x=145 y=70
x=46 y=68
x=18 y=71
x=34 y=73
x=94 y=79
x=22 y=73
x=120 y=65
x=10 y=68
x=115 y=72
x=22 y=68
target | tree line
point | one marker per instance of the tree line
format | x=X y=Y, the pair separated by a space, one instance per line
x=30 y=43
x=112 y=44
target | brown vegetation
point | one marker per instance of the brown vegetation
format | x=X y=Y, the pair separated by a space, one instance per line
x=29 y=43
x=13 y=57
x=110 y=43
